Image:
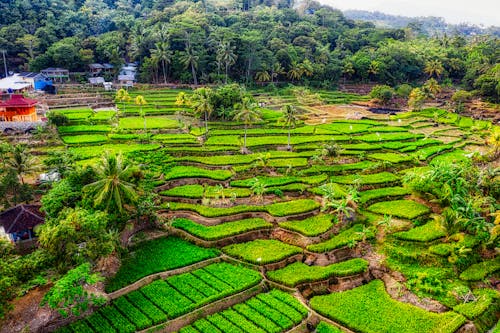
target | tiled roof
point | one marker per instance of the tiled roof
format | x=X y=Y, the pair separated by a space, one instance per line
x=21 y=217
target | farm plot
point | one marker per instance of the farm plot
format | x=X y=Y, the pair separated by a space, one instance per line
x=272 y=312
x=167 y=299
x=370 y=309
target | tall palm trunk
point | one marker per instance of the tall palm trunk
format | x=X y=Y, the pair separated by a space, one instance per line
x=164 y=71
x=193 y=71
x=227 y=69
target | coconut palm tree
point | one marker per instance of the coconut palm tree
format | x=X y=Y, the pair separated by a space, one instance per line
x=226 y=56
x=113 y=188
x=262 y=76
x=190 y=59
x=248 y=114
x=162 y=54
x=276 y=70
x=290 y=120
x=141 y=101
x=295 y=72
x=434 y=67
x=201 y=101
x=22 y=162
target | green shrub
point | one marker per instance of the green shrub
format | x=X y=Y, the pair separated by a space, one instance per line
x=354 y=234
x=262 y=251
x=426 y=233
x=155 y=256
x=221 y=230
x=407 y=209
x=312 y=226
x=299 y=272
x=370 y=309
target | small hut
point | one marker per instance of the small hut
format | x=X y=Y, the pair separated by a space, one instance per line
x=17 y=223
x=18 y=108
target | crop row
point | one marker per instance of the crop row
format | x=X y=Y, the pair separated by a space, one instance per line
x=299 y=272
x=162 y=300
x=262 y=251
x=221 y=230
x=346 y=238
x=276 y=209
x=272 y=312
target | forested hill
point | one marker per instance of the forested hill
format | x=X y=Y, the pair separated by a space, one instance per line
x=428 y=25
x=247 y=41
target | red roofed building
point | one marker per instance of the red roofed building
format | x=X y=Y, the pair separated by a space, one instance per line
x=18 y=108
x=17 y=223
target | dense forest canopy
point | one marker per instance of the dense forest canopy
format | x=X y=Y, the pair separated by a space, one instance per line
x=261 y=41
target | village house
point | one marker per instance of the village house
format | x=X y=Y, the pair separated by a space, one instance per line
x=18 y=223
x=18 y=109
x=56 y=74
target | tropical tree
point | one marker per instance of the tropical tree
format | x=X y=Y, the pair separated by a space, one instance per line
x=181 y=100
x=295 y=72
x=201 y=101
x=431 y=88
x=417 y=99
x=162 y=54
x=190 y=60
x=258 y=188
x=226 y=55
x=262 y=76
x=22 y=162
x=434 y=68
x=122 y=96
x=494 y=142
x=276 y=70
x=248 y=114
x=289 y=120
x=113 y=189
x=141 y=101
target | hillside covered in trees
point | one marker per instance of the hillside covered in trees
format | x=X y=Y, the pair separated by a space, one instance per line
x=251 y=42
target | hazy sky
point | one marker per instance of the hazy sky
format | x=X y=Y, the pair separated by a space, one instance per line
x=485 y=12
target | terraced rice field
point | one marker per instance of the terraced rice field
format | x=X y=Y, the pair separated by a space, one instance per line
x=272 y=240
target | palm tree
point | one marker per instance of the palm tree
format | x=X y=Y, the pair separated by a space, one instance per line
x=141 y=101
x=348 y=70
x=161 y=54
x=22 y=162
x=306 y=67
x=113 y=189
x=226 y=55
x=431 y=88
x=434 y=67
x=295 y=72
x=201 y=101
x=494 y=142
x=258 y=188
x=276 y=70
x=290 y=119
x=262 y=76
x=190 y=59
x=248 y=114
x=181 y=99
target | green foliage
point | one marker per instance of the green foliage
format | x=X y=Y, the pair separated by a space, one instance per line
x=354 y=234
x=222 y=230
x=376 y=178
x=262 y=251
x=323 y=327
x=390 y=157
x=298 y=272
x=278 y=209
x=84 y=139
x=77 y=235
x=194 y=172
x=480 y=271
x=428 y=232
x=268 y=312
x=484 y=299
x=382 y=93
x=370 y=309
x=200 y=191
x=407 y=209
x=312 y=226
x=384 y=192
x=69 y=296
x=161 y=254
